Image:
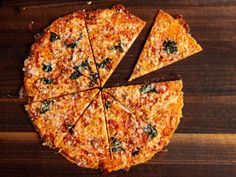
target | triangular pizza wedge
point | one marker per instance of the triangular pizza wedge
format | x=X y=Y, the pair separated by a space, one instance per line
x=133 y=140
x=70 y=43
x=125 y=132
x=168 y=42
x=54 y=69
x=54 y=117
x=87 y=144
x=111 y=32
x=150 y=100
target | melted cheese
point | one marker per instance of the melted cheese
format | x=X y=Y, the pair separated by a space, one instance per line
x=153 y=56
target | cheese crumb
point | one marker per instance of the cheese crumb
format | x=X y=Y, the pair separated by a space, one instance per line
x=89 y=2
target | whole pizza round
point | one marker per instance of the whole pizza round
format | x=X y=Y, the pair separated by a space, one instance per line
x=105 y=128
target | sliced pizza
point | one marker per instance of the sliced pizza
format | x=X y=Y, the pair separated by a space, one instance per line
x=54 y=69
x=126 y=135
x=134 y=140
x=169 y=41
x=87 y=144
x=149 y=100
x=70 y=43
x=111 y=32
x=54 y=117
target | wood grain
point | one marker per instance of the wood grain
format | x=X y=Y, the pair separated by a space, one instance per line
x=213 y=150
x=205 y=143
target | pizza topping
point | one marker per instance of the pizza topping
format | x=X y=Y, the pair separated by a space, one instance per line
x=147 y=89
x=151 y=131
x=74 y=44
x=116 y=145
x=136 y=151
x=75 y=75
x=71 y=128
x=47 y=67
x=170 y=46
x=47 y=81
x=118 y=47
x=53 y=37
x=107 y=104
x=94 y=76
x=85 y=64
x=45 y=106
x=104 y=63
x=91 y=83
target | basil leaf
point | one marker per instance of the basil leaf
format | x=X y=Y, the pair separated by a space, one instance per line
x=94 y=76
x=118 y=47
x=107 y=104
x=71 y=128
x=75 y=75
x=84 y=63
x=74 y=44
x=45 y=106
x=47 y=81
x=47 y=67
x=147 y=89
x=116 y=145
x=136 y=151
x=170 y=46
x=91 y=83
x=151 y=131
x=104 y=63
x=53 y=37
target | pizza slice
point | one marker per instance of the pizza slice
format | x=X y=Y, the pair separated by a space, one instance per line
x=169 y=41
x=69 y=42
x=111 y=32
x=149 y=100
x=133 y=140
x=87 y=145
x=53 y=118
x=126 y=135
x=61 y=60
x=46 y=77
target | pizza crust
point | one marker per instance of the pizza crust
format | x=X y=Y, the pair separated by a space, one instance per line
x=168 y=42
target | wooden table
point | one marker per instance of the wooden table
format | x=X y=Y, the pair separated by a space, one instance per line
x=205 y=142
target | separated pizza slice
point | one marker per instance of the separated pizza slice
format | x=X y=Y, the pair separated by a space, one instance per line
x=87 y=145
x=133 y=140
x=70 y=43
x=53 y=118
x=111 y=32
x=169 y=41
x=149 y=101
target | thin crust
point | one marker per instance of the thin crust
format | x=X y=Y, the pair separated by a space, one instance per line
x=53 y=118
x=168 y=42
x=111 y=32
x=87 y=146
x=61 y=60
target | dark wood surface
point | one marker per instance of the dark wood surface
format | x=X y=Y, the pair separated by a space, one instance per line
x=205 y=142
